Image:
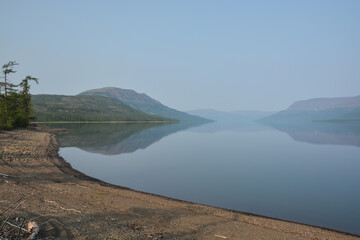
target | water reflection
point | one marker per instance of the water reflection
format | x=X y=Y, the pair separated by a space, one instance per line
x=334 y=133
x=113 y=139
x=231 y=126
x=247 y=167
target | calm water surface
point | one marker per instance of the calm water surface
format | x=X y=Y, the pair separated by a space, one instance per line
x=308 y=173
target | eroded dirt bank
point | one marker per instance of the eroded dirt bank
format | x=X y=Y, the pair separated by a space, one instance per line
x=68 y=205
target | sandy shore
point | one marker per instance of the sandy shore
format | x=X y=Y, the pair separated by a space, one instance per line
x=69 y=205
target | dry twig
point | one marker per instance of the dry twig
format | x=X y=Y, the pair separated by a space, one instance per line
x=20 y=199
x=2 y=226
x=4 y=175
x=20 y=228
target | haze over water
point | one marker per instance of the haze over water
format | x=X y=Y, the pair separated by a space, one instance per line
x=295 y=173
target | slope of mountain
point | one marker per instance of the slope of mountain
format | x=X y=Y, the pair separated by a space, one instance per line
x=86 y=108
x=143 y=103
x=229 y=116
x=320 y=109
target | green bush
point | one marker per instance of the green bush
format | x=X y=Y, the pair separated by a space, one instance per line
x=4 y=126
x=20 y=121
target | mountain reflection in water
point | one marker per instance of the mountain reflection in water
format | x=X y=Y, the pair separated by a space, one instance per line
x=113 y=139
x=330 y=133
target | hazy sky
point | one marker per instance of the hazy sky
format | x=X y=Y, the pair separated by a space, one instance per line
x=226 y=55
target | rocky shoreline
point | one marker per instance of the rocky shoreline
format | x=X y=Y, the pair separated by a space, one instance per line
x=67 y=204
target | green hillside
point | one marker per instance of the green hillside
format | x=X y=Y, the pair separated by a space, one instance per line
x=86 y=108
x=143 y=102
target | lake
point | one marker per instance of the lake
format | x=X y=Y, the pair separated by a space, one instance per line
x=307 y=173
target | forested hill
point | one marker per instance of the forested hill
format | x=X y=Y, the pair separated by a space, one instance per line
x=143 y=103
x=86 y=108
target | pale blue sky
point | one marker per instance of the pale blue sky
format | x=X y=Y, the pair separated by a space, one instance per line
x=226 y=55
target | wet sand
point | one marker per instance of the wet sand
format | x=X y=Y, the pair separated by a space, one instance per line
x=70 y=205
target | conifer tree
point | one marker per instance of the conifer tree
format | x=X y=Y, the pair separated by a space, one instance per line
x=7 y=69
x=15 y=103
x=25 y=98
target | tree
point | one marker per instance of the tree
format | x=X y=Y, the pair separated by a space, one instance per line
x=7 y=69
x=15 y=103
x=25 y=98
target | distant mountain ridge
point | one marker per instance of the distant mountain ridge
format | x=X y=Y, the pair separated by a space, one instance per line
x=320 y=109
x=143 y=102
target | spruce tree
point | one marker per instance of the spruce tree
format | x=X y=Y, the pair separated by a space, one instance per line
x=7 y=69
x=25 y=107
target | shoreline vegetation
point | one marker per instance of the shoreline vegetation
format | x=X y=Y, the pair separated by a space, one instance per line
x=67 y=204
x=15 y=103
